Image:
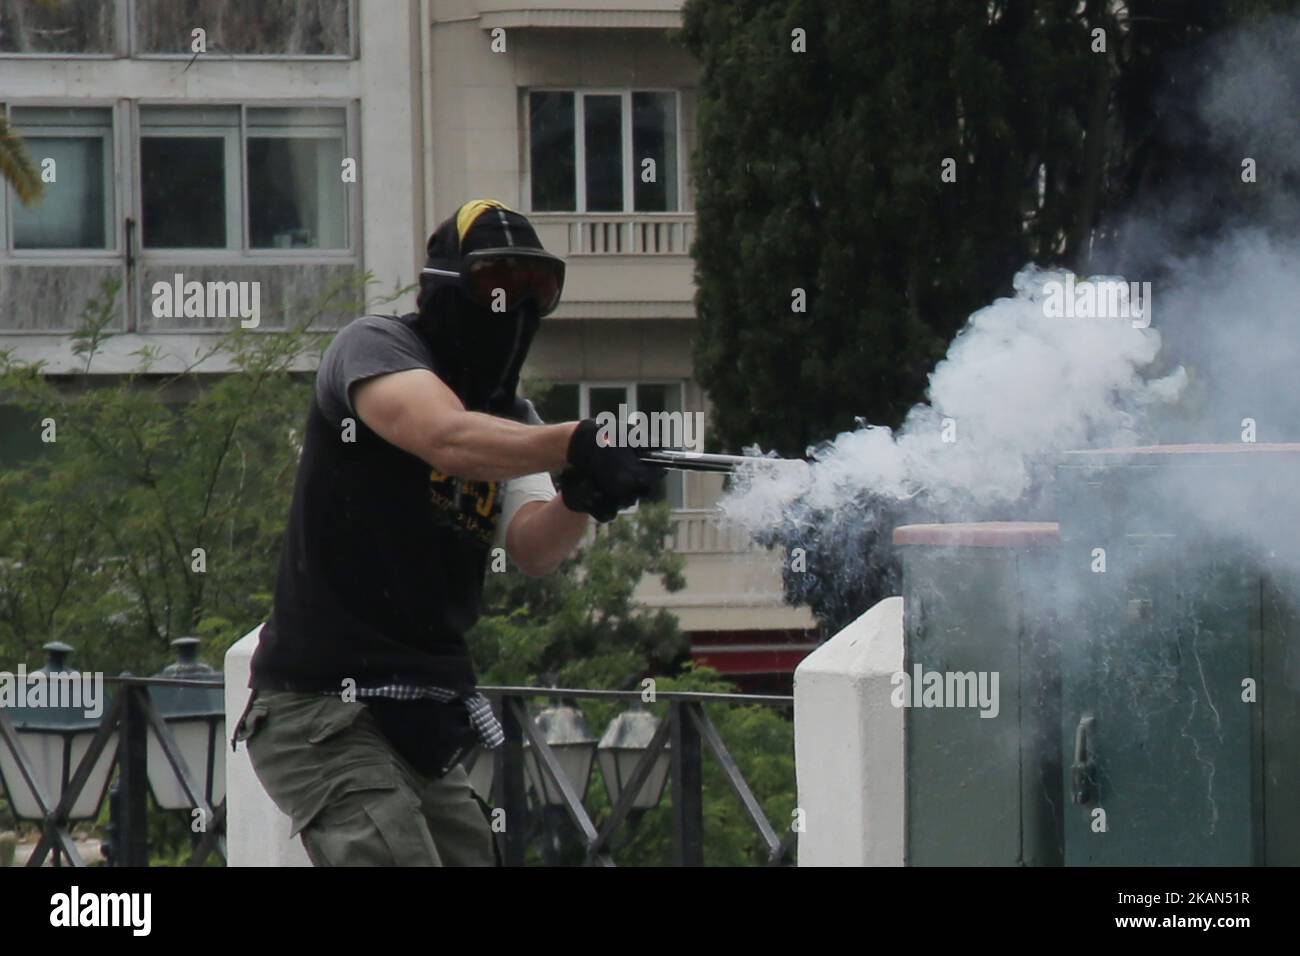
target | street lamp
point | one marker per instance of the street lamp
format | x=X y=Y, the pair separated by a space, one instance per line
x=620 y=749
x=54 y=740
x=565 y=732
x=196 y=717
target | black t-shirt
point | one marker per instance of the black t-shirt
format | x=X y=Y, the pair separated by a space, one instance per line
x=382 y=566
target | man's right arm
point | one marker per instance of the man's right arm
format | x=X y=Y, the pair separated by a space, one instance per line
x=417 y=412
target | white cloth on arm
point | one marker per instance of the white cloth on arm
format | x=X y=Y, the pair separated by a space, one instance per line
x=519 y=491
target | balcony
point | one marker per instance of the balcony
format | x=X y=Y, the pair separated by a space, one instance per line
x=607 y=14
x=623 y=266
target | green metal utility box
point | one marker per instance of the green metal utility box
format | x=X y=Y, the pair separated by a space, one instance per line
x=1180 y=658
x=983 y=769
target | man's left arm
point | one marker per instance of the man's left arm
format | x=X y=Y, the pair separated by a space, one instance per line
x=542 y=534
x=535 y=527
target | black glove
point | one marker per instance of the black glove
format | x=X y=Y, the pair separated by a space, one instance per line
x=603 y=479
x=580 y=494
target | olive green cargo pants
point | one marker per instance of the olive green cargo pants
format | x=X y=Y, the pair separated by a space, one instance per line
x=352 y=799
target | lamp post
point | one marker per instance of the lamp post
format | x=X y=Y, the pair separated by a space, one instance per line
x=620 y=750
x=565 y=731
x=196 y=717
x=54 y=731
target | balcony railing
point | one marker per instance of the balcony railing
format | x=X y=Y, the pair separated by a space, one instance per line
x=685 y=734
x=697 y=531
x=634 y=234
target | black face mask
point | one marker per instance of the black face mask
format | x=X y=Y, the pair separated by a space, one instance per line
x=478 y=352
x=490 y=348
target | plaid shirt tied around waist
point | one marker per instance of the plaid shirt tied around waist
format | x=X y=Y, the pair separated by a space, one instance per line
x=481 y=717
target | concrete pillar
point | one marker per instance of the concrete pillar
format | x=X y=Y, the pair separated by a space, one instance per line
x=257 y=833
x=848 y=742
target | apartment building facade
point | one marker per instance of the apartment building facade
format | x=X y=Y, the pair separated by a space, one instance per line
x=294 y=142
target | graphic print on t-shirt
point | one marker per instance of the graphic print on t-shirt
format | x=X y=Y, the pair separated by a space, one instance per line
x=471 y=506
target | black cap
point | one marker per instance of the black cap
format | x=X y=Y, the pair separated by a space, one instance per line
x=478 y=224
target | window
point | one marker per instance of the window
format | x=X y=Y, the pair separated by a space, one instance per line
x=603 y=151
x=74 y=150
x=245 y=27
x=191 y=178
x=295 y=182
x=571 y=401
x=231 y=28
x=70 y=26
x=550 y=151
x=654 y=136
x=189 y=187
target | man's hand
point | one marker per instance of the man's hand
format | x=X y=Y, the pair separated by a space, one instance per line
x=418 y=413
x=601 y=479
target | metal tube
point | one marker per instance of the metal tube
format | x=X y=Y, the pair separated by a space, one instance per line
x=703 y=461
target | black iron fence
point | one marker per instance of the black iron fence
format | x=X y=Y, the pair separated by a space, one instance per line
x=529 y=781
x=119 y=740
x=685 y=734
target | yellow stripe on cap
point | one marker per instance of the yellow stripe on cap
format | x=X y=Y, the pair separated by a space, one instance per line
x=472 y=210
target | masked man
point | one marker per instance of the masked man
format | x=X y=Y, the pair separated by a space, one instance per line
x=419 y=458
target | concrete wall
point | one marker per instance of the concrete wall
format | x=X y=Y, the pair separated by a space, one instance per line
x=848 y=742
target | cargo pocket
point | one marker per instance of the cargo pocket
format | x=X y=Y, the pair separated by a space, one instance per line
x=253 y=717
x=334 y=717
x=370 y=819
x=348 y=765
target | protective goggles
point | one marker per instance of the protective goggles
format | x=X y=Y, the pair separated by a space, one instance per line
x=504 y=279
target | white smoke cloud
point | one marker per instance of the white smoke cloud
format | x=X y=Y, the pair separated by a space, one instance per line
x=1015 y=386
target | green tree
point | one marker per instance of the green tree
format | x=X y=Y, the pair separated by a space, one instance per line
x=16 y=166
x=822 y=170
x=156 y=507
x=834 y=263
x=579 y=627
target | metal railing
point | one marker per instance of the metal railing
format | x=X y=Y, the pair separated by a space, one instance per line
x=132 y=715
x=686 y=732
